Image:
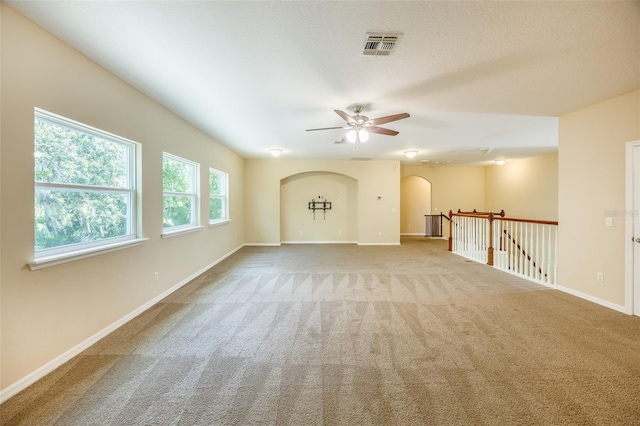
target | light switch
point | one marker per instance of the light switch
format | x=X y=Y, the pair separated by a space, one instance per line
x=608 y=221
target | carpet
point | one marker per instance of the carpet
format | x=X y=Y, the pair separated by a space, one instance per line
x=351 y=335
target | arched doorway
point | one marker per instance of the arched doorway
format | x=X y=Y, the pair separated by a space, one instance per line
x=415 y=202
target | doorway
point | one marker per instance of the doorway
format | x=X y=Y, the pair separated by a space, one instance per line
x=633 y=227
x=415 y=202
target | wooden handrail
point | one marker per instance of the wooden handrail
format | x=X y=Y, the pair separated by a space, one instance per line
x=481 y=215
x=537 y=222
x=487 y=215
x=441 y=214
x=475 y=212
x=524 y=253
x=445 y=216
x=479 y=237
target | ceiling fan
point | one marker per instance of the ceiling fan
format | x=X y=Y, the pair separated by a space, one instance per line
x=360 y=125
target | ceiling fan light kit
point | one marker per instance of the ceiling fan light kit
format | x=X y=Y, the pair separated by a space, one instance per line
x=360 y=125
x=353 y=137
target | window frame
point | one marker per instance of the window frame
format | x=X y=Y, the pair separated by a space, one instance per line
x=194 y=195
x=130 y=190
x=223 y=195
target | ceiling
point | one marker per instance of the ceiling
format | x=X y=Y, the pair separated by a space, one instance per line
x=255 y=74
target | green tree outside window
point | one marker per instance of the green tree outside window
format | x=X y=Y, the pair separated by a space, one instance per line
x=83 y=185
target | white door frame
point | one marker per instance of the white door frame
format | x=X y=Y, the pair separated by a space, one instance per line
x=632 y=284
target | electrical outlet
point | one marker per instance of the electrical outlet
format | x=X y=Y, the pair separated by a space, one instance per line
x=600 y=277
x=608 y=221
x=156 y=276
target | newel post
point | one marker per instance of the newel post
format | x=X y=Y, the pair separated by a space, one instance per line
x=490 y=249
x=450 y=230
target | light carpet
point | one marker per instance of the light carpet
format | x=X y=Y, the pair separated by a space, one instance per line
x=352 y=335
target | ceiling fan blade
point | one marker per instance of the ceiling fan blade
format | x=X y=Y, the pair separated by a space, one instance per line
x=325 y=128
x=381 y=131
x=346 y=117
x=388 y=118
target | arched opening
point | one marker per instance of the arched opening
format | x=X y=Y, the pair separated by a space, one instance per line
x=415 y=202
x=298 y=224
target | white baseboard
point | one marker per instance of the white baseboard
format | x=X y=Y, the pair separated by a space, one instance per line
x=422 y=235
x=593 y=299
x=50 y=366
x=319 y=242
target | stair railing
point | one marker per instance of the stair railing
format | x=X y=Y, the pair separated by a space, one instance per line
x=433 y=224
x=524 y=247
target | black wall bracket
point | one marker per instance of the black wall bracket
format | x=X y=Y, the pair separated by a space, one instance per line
x=323 y=205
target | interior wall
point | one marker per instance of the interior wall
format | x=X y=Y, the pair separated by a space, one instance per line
x=377 y=203
x=452 y=188
x=525 y=188
x=48 y=312
x=415 y=202
x=591 y=186
x=299 y=224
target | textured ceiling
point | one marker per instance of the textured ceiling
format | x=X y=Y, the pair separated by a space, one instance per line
x=255 y=75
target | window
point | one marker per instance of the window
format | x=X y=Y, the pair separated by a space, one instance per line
x=218 y=190
x=85 y=186
x=180 y=193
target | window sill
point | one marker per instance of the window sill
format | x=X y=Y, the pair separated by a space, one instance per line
x=58 y=259
x=219 y=223
x=176 y=232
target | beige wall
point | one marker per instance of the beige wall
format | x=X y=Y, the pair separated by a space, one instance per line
x=415 y=202
x=378 y=220
x=525 y=188
x=47 y=312
x=452 y=188
x=591 y=181
x=299 y=224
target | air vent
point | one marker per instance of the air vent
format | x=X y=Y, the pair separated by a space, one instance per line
x=361 y=158
x=380 y=44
